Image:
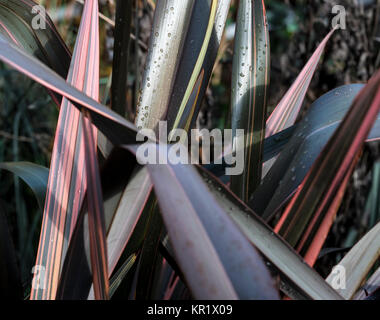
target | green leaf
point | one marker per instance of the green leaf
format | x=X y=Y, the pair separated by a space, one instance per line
x=199 y=53
x=35 y=176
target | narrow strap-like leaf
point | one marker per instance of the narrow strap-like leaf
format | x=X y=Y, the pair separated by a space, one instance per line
x=171 y=20
x=198 y=65
x=67 y=181
x=358 y=262
x=316 y=233
x=115 y=127
x=308 y=140
x=196 y=233
x=298 y=280
x=35 y=176
x=200 y=50
x=286 y=112
x=44 y=42
x=96 y=222
x=319 y=188
x=250 y=81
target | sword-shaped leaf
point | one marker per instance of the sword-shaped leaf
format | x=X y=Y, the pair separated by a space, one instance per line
x=197 y=61
x=171 y=20
x=250 y=81
x=217 y=261
x=298 y=280
x=96 y=219
x=286 y=112
x=320 y=187
x=67 y=178
x=117 y=129
x=307 y=142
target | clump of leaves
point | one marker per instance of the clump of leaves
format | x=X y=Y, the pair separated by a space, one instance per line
x=173 y=231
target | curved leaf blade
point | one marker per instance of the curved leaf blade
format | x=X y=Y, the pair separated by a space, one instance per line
x=16 y=18
x=35 y=176
x=318 y=190
x=307 y=142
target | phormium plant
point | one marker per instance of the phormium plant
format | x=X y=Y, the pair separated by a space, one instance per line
x=121 y=229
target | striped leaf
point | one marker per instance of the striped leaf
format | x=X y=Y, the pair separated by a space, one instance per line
x=298 y=280
x=125 y=226
x=171 y=20
x=216 y=259
x=250 y=81
x=308 y=140
x=67 y=178
x=311 y=245
x=286 y=112
x=16 y=18
x=198 y=56
x=318 y=191
x=116 y=128
x=96 y=219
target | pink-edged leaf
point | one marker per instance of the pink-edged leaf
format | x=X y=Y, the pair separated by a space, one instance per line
x=319 y=189
x=96 y=222
x=76 y=279
x=67 y=178
x=115 y=128
x=286 y=112
x=312 y=245
x=217 y=261
x=45 y=43
x=308 y=140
